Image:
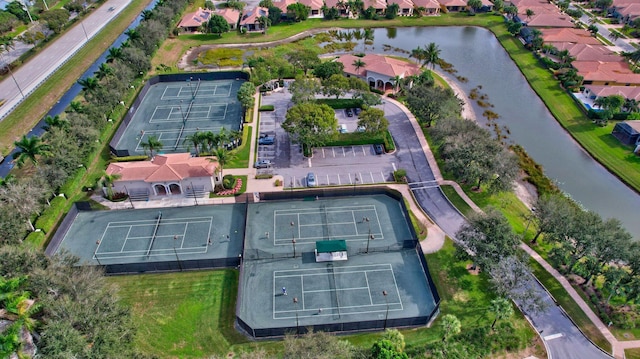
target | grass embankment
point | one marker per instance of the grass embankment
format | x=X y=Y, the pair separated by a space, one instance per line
x=241 y=160
x=191 y=316
x=30 y=111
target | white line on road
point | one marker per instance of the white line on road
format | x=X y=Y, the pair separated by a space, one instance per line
x=394 y=166
x=553 y=336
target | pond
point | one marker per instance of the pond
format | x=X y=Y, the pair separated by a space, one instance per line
x=478 y=56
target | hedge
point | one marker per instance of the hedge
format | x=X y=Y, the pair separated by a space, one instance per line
x=266 y=108
x=48 y=219
x=129 y=158
x=73 y=182
x=341 y=103
x=357 y=138
x=35 y=238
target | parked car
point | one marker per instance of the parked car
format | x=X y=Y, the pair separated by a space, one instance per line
x=378 y=148
x=262 y=164
x=311 y=179
x=342 y=128
x=267 y=140
x=349 y=112
x=361 y=129
x=357 y=111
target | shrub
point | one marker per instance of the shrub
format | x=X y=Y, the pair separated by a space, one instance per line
x=264 y=176
x=277 y=183
x=129 y=158
x=389 y=145
x=341 y=103
x=400 y=175
x=35 y=238
x=228 y=181
x=266 y=108
x=624 y=319
x=73 y=182
x=48 y=218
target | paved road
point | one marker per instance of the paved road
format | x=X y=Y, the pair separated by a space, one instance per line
x=622 y=44
x=29 y=76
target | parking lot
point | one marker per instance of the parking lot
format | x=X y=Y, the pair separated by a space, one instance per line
x=333 y=166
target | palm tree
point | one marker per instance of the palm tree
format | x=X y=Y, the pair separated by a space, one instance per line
x=196 y=139
x=265 y=22
x=89 y=84
x=474 y=5
x=75 y=106
x=548 y=48
x=19 y=309
x=565 y=57
x=115 y=53
x=631 y=105
x=223 y=137
x=55 y=121
x=358 y=64
x=133 y=34
x=211 y=140
x=502 y=309
x=419 y=54
x=397 y=81
x=235 y=137
x=529 y=13
x=223 y=156
x=147 y=15
x=108 y=181
x=152 y=144
x=103 y=71
x=29 y=148
x=432 y=54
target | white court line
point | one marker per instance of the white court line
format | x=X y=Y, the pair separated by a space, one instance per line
x=126 y=238
x=329 y=209
x=372 y=179
x=302 y=290
x=184 y=235
x=337 y=289
x=355 y=224
x=323 y=271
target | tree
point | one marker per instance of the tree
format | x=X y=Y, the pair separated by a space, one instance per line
x=593 y=29
x=514 y=27
x=474 y=5
x=18 y=10
x=265 y=3
x=298 y=12
x=529 y=13
x=55 y=19
x=385 y=349
x=603 y=4
x=432 y=54
x=245 y=95
x=358 y=64
x=430 y=104
x=502 y=309
x=392 y=11
x=275 y=15
x=336 y=85
x=103 y=71
x=305 y=60
x=30 y=148
x=511 y=278
x=265 y=22
x=89 y=84
x=310 y=124
x=450 y=326
x=511 y=11
x=304 y=89
x=318 y=345
x=324 y=70
x=553 y=214
x=108 y=180
x=196 y=139
x=115 y=53
x=372 y=120
x=217 y=25
x=488 y=236
x=498 y=5
x=223 y=157
x=55 y=121
x=614 y=277
x=152 y=144
x=8 y=22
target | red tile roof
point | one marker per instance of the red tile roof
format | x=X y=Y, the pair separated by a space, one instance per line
x=380 y=64
x=195 y=19
x=164 y=168
x=313 y=4
x=549 y=20
x=617 y=72
x=630 y=92
x=282 y=4
x=403 y=4
x=446 y=3
x=376 y=4
x=231 y=15
x=578 y=36
x=252 y=15
x=427 y=4
x=585 y=52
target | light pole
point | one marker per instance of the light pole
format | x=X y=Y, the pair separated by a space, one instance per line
x=295 y=301
x=386 y=316
x=13 y=77
x=193 y=191
x=355 y=182
x=291 y=187
x=84 y=30
x=369 y=239
x=175 y=238
x=190 y=88
x=293 y=239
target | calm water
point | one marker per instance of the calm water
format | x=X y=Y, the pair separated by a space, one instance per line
x=478 y=56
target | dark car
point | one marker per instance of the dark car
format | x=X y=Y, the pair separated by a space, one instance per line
x=357 y=110
x=349 y=112
x=378 y=148
x=262 y=164
x=267 y=140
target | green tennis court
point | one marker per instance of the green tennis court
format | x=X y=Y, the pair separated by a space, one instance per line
x=172 y=111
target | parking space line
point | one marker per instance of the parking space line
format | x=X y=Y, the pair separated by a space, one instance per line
x=353 y=150
x=323 y=156
x=333 y=149
x=328 y=181
x=344 y=154
x=339 y=182
x=382 y=176
x=372 y=180
x=364 y=153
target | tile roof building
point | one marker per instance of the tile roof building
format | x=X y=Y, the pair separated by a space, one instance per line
x=378 y=71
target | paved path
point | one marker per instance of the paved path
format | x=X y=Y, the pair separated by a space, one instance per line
x=32 y=74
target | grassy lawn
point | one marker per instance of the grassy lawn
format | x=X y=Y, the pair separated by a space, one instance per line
x=25 y=116
x=632 y=353
x=456 y=200
x=185 y=315
x=565 y=301
x=242 y=153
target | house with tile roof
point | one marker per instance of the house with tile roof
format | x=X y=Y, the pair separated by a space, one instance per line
x=568 y=35
x=232 y=16
x=405 y=7
x=379 y=5
x=176 y=174
x=249 y=20
x=606 y=73
x=195 y=20
x=625 y=10
x=378 y=71
x=428 y=7
x=586 y=52
x=315 y=7
x=282 y=5
x=628 y=92
x=551 y=19
x=452 y=5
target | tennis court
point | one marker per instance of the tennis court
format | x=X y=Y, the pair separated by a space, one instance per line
x=156 y=235
x=283 y=288
x=172 y=111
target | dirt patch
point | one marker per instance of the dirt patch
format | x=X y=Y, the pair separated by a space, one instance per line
x=473 y=269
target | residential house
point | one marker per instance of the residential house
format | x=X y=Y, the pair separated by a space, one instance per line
x=452 y=5
x=315 y=7
x=428 y=7
x=338 y=4
x=282 y=5
x=379 y=5
x=626 y=11
x=379 y=71
x=193 y=21
x=232 y=16
x=176 y=174
x=405 y=7
x=594 y=91
x=249 y=20
x=549 y=19
x=568 y=35
x=585 y=52
x=606 y=73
